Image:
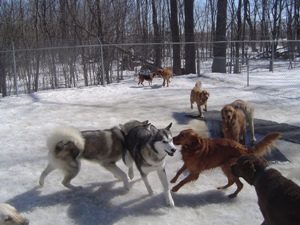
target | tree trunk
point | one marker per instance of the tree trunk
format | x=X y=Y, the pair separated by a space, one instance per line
x=175 y=37
x=190 y=64
x=157 y=48
x=3 y=79
x=238 y=38
x=219 y=61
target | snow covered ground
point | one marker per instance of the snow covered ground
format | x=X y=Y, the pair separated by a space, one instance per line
x=26 y=121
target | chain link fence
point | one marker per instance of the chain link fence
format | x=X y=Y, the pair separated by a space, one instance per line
x=31 y=70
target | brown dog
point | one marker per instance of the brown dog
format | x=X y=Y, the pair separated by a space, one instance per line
x=249 y=113
x=147 y=77
x=200 y=97
x=234 y=123
x=166 y=74
x=278 y=197
x=199 y=154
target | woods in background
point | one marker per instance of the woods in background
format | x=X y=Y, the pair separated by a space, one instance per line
x=33 y=25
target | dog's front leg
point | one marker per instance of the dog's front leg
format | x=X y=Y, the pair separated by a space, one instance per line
x=180 y=171
x=205 y=107
x=200 y=111
x=146 y=182
x=164 y=181
x=253 y=139
x=189 y=178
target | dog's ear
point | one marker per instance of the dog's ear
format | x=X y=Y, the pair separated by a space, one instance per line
x=233 y=115
x=223 y=114
x=148 y=126
x=145 y=122
x=169 y=126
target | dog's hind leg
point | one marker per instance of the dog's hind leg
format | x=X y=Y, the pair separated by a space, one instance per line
x=69 y=175
x=231 y=180
x=164 y=180
x=118 y=173
x=45 y=173
x=180 y=171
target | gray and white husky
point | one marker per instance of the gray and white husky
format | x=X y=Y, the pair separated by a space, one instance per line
x=148 y=146
x=67 y=145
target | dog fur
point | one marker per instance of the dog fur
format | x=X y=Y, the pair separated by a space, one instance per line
x=278 y=197
x=67 y=146
x=199 y=154
x=148 y=77
x=166 y=74
x=10 y=216
x=234 y=123
x=147 y=147
x=248 y=109
x=200 y=97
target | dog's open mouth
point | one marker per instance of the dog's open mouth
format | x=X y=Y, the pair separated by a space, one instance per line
x=170 y=154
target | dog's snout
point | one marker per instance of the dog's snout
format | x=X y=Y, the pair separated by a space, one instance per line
x=173 y=150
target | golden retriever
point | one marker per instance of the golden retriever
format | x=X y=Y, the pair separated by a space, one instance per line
x=200 y=97
x=234 y=123
x=278 y=197
x=199 y=154
x=166 y=74
x=248 y=109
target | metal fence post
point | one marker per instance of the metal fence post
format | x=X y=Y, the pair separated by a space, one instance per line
x=248 y=75
x=15 y=69
x=272 y=56
x=102 y=62
x=198 y=63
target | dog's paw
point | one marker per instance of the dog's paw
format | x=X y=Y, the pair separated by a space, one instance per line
x=73 y=188
x=173 y=180
x=170 y=203
x=232 y=195
x=130 y=174
x=174 y=189
x=41 y=183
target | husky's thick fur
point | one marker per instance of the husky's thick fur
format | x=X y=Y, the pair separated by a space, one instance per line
x=148 y=146
x=68 y=145
x=10 y=216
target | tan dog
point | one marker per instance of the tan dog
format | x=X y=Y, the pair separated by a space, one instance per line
x=199 y=154
x=166 y=74
x=249 y=113
x=278 y=197
x=234 y=123
x=200 y=97
x=10 y=216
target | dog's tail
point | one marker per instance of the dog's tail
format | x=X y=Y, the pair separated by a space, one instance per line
x=262 y=147
x=65 y=134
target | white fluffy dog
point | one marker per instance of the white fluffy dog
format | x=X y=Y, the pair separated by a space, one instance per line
x=10 y=216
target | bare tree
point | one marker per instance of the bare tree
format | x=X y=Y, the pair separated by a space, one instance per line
x=157 y=39
x=190 y=65
x=219 y=49
x=175 y=37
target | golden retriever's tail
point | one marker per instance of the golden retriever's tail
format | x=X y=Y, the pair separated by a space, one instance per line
x=262 y=147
